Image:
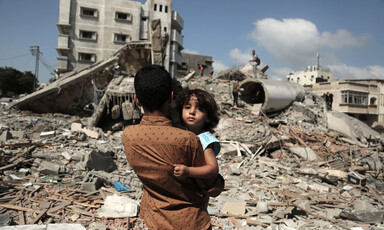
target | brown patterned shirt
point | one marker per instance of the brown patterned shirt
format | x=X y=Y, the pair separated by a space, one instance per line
x=151 y=148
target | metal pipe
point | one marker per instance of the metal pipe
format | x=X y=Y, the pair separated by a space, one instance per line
x=272 y=94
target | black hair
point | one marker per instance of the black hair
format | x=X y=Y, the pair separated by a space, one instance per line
x=153 y=87
x=205 y=101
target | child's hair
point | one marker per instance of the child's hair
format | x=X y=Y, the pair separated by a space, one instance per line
x=205 y=101
x=153 y=87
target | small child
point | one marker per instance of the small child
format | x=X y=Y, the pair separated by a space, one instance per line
x=199 y=113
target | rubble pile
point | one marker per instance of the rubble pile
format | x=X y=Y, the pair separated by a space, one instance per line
x=290 y=171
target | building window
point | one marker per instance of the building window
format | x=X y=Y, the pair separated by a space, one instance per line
x=88 y=12
x=161 y=8
x=155 y=7
x=372 y=101
x=123 y=16
x=87 y=35
x=165 y=29
x=166 y=9
x=87 y=57
x=353 y=97
x=121 y=38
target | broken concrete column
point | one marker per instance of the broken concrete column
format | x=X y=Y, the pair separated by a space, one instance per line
x=274 y=95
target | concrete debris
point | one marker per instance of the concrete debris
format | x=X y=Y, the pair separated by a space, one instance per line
x=297 y=166
x=118 y=207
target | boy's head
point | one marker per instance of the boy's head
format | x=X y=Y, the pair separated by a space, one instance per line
x=153 y=87
x=205 y=101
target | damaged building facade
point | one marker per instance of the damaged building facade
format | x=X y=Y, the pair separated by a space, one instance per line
x=191 y=62
x=93 y=31
x=360 y=98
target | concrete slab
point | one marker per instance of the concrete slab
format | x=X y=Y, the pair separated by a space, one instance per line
x=64 y=226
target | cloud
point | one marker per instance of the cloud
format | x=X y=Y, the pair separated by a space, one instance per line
x=279 y=73
x=239 y=57
x=342 y=72
x=219 y=66
x=190 y=51
x=295 y=42
x=343 y=39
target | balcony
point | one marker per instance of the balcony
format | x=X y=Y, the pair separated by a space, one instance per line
x=64 y=15
x=62 y=46
x=177 y=21
x=175 y=56
x=64 y=28
x=62 y=64
x=176 y=37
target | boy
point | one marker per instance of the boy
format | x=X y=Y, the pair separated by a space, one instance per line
x=153 y=147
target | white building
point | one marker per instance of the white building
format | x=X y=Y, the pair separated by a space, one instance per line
x=91 y=31
x=313 y=74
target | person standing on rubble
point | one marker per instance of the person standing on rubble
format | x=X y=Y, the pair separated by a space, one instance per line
x=211 y=70
x=153 y=146
x=330 y=100
x=201 y=70
x=235 y=92
x=255 y=61
x=198 y=112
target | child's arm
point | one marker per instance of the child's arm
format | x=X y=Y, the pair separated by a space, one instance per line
x=210 y=168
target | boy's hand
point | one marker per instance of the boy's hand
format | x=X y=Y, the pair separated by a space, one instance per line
x=181 y=171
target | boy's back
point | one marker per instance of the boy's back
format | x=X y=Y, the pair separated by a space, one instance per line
x=152 y=147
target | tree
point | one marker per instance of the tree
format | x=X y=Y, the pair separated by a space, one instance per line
x=12 y=80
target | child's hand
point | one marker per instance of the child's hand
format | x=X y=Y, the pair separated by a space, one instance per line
x=180 y=171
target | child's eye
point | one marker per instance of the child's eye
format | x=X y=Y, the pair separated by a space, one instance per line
x=187 y=106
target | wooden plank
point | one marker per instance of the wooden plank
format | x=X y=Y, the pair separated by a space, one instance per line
x=60 y=206
x=21 y=218
x=235 y=222
x=8 y=206
x=291 y=194
x=81 y=211
x=38 y=217
x=256 y=223
x=10 y=202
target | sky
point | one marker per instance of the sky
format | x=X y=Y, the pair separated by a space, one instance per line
x=286 y=34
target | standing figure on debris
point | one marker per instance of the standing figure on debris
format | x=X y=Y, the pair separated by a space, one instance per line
x=330 y=100
x=235 y=92
x=326 y=99
x=255 y=62
x=201 y=70
x=211 y=70
x=153 y=146
x=198 y=112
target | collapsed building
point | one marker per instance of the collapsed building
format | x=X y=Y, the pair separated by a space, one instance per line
x=287 y=161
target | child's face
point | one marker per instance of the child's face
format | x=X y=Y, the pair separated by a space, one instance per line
x=194 y=117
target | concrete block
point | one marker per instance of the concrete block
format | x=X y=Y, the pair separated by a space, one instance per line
x=66 y=155
x=116 y=206
x=17 y=134
x=25 y=227
x=234 y=207
x=91 y=183
x=49 y=168
x=65 y=227
x=262 y=207
x=361 y=205
x=5 y=136
x=76 y=127
x=305 y=153
x=91 y=133
x=47 y=134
